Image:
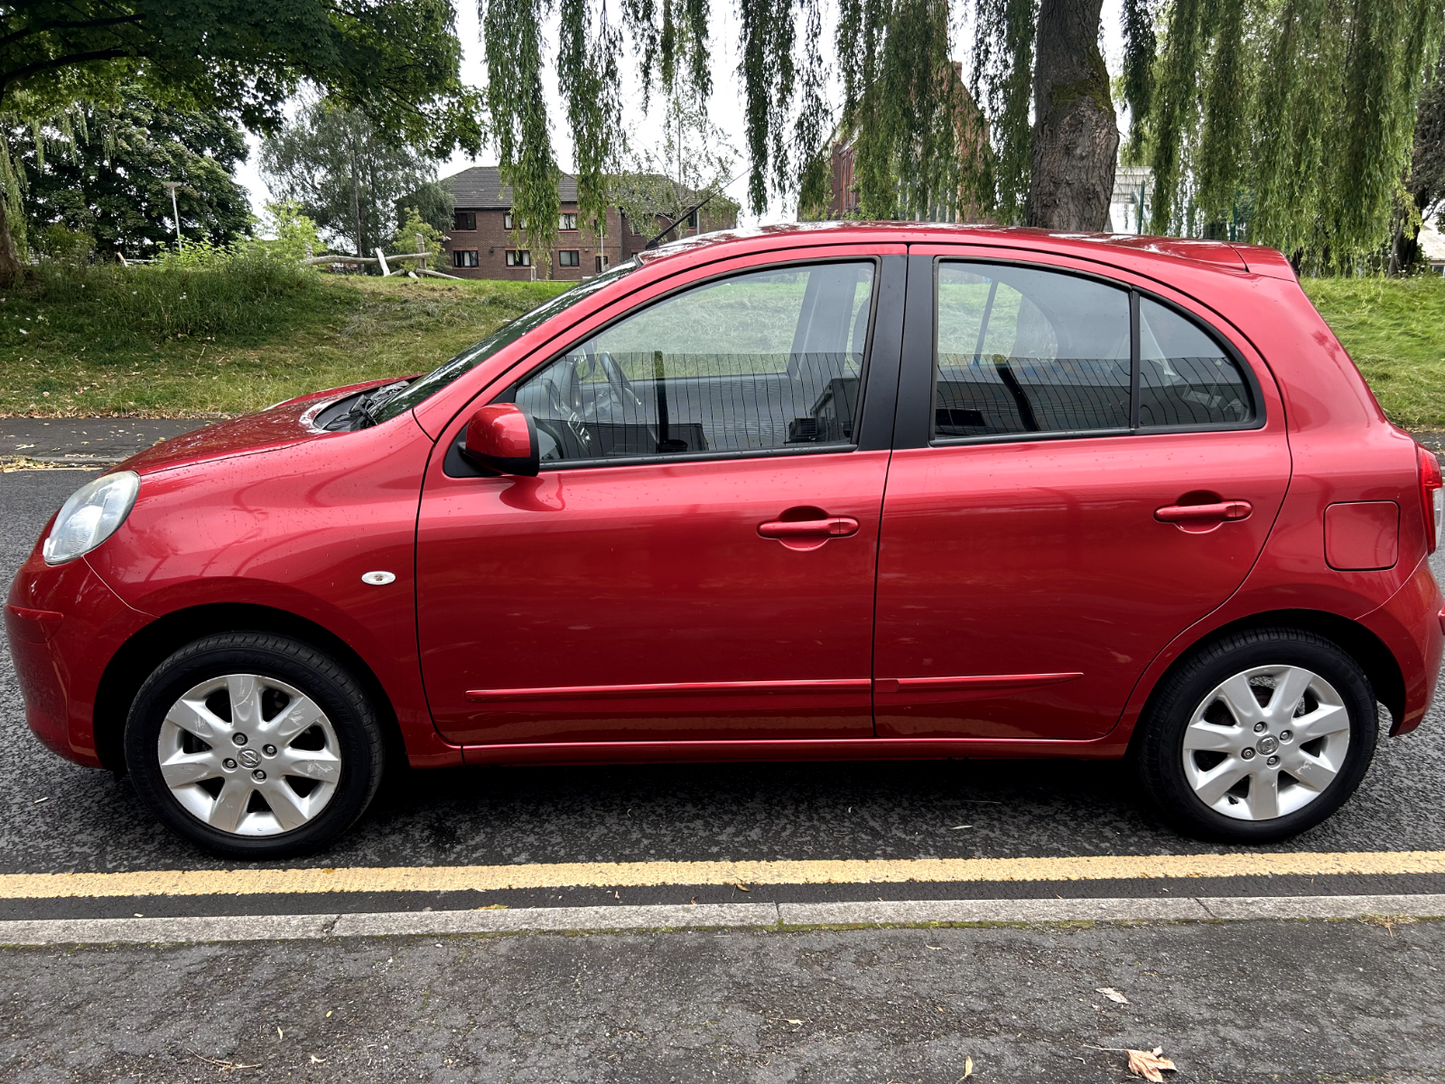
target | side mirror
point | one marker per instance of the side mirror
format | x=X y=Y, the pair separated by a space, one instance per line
x=503 y=438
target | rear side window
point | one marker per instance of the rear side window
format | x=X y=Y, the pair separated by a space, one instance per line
x=1185 y=377
x=769 y=360
x=1028 y=351
x=1025 y=350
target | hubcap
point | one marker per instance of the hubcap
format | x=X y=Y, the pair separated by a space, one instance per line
x=1266 y=742
x=217 y=736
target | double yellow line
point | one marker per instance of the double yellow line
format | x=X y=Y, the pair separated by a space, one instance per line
x=255 y=882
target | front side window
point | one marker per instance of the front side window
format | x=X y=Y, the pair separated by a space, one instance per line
x=567 y=221
x=601 y=262
x=769 y=360
x=567 y=257
x=464 y=257
x=519 y=257
x=1028 y=351
x=508 y=220
x=464 y=220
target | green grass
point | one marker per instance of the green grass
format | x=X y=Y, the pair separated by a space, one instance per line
x=156 y=340
x=1395 y=331
x=171 y=340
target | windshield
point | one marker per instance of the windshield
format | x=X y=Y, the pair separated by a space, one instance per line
x=427 y=386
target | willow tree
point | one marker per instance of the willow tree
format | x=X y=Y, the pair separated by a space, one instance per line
x=1304 y=109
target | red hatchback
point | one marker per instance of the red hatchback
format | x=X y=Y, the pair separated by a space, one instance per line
x=847 y=491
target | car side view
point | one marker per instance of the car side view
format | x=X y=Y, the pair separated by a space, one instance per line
x=890 y=490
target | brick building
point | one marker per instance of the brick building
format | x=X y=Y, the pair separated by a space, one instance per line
x=481 y=245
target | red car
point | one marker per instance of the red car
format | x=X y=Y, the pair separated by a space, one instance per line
x=865 y=491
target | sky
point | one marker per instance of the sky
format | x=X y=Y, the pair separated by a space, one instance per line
x=725 y=106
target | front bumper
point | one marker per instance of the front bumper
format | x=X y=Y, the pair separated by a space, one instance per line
x=64 y=626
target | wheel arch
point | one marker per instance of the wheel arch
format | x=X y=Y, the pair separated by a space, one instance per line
x=144 y=651
x=1362 y=645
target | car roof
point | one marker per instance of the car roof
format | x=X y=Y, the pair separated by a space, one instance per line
x=1119 y=247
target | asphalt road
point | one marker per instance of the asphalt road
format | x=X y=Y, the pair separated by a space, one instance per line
x=91 y=821
x=1238 y=1001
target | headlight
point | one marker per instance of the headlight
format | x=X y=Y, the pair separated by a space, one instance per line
x=91 y=516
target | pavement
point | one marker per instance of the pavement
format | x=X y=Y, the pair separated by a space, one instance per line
x=872 y=922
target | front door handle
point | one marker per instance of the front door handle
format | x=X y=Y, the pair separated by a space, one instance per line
x=1204 y=513
x=829 y=527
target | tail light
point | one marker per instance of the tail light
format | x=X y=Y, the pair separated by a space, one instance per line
x=1432 y=496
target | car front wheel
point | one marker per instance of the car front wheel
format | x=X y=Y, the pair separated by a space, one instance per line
x=1258 y=737
x=254 y=745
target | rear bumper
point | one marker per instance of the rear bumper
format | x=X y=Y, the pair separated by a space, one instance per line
x=64 y=626
x=1409 y=624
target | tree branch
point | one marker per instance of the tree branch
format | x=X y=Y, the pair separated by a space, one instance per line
x=84 y=24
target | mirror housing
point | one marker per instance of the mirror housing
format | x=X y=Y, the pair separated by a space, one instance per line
x=503 y=438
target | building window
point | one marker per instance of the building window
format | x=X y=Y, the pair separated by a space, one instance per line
x=464 y=220
x=464 y=257
x=507 y=222
x=567 y=257
x=601 y=264
x=518 y=257
x=692 y=221
x=636 y=227
x=567 y=221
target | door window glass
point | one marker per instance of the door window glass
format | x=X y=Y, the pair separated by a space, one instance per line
x=770 y=359
x=1185 y=377
x=1022 y=350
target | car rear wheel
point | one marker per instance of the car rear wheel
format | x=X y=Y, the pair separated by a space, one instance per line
x=254 y=745
x=1258 y=737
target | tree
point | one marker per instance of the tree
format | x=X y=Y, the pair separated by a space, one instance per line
x=433 y=202
x=410 y=226
x=286 y=232
x=396 y=60
x=1230 y=101
x=345 y=174
x=1304 y=108
x=1425 y=182
x=101 y=173
x=691 y=167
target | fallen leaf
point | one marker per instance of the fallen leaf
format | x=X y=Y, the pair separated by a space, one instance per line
x=1112 y=994
x=742 y=888
x=967 y=1068
x=1147 y=1064
x=792 y=1021
x=279 y=1033
x=956 y=827
x=317 y=1061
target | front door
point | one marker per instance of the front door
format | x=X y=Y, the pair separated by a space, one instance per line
x=696 y=559
x=1096 y=471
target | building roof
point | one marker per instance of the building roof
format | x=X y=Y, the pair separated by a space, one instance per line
x=481 y=187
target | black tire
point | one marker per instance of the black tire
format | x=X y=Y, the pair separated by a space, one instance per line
x=1159 y=746
x=348 y=722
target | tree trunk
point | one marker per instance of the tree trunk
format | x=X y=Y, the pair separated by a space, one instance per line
x=9 y=262
x=1076 y=134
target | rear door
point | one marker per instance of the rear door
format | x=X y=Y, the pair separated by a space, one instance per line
x=1083 y=470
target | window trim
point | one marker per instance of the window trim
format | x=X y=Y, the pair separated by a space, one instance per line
x=562 y=216
x=577 y=257
x=507 y=261
x=1134 y=294
x=456 y=216
x=476 y=260
x=455 y=465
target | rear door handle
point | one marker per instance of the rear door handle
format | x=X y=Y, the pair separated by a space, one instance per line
x=831 y=527
x=1204 y=513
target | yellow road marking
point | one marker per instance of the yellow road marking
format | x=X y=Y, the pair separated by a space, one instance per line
x=253 y=882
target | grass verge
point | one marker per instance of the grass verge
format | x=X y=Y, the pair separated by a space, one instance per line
x=1395 y=331
x=166 y=341
x=170 y=340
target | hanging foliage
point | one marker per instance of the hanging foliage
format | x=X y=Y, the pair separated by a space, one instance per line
x=1301 y=109
x=1003 y=71
x=587 y=71
x=1139 y=46
x=904 y=107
